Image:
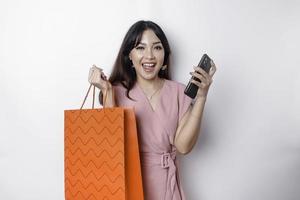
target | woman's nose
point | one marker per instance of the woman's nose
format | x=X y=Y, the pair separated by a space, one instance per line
x=149 y=53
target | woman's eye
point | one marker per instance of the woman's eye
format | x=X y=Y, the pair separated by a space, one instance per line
x=142 y=48
x=139 y=48
x=158 y=47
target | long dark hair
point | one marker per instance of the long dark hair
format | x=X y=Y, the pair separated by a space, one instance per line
x=123 y=72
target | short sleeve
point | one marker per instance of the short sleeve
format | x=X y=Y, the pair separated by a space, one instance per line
x=184 y=101
x=119 y=94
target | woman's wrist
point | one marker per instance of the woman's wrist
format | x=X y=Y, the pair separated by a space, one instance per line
x=199 y=99
x=106 y=91
x=198 y=105
x=108 y=97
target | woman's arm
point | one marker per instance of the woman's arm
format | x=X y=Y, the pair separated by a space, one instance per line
x=98 y=79
x=189 y=126
x=109 y=100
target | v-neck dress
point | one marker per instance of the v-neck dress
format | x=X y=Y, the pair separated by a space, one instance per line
x=156 y=133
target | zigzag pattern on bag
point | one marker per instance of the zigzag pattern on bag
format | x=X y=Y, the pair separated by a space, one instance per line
x=94 y=154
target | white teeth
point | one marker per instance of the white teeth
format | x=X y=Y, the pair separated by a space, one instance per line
x=148 y=64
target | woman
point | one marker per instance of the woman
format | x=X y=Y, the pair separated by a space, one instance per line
x=167 y=122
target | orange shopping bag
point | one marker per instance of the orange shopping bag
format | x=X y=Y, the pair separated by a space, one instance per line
x=102 y=154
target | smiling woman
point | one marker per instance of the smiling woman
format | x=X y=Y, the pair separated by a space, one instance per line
x=147 y=58
x=166 y=121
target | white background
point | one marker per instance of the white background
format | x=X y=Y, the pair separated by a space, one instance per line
x=249 y=145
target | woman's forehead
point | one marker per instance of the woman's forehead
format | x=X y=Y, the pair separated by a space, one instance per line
x=149 y=37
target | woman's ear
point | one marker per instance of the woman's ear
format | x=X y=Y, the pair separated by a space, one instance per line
x=129 y=56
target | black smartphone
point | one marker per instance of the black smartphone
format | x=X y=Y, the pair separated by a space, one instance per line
x=191 y=89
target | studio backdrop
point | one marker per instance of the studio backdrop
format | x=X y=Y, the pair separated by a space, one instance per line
x=249 y=144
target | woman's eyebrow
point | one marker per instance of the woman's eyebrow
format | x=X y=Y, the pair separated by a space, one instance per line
x=153 y=43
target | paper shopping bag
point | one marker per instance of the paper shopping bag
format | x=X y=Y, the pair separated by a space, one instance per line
x=133 y=175
x=102 y=154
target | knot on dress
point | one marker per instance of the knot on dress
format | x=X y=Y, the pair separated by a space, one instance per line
x=166 y=160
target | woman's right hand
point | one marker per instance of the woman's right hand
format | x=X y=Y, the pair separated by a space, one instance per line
x=98 y=79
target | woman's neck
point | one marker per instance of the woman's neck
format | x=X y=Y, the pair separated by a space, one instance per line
x=150 y=85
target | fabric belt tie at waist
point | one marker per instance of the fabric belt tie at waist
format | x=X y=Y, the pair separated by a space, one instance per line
x=166 y=161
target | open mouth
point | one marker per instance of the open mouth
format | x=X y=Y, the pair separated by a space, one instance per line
x=148 y=64
x=148 y=67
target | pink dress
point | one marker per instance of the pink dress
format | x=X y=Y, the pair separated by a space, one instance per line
x=156 y=132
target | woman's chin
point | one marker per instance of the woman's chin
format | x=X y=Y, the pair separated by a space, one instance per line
x=149 y=76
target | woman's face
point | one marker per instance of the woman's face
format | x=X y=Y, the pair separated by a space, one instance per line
x=148 y=56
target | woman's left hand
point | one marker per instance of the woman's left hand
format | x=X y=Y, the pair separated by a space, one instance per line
x=205 y=79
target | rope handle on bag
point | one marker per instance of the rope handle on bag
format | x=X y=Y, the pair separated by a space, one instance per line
x=105 y=96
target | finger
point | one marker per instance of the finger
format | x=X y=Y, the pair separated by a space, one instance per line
x=199 y=76
x=204 y=81
x=213 y=69
x=200 y=85
x=92 y=74
x=103 y=77
x=201 y=71
x=96 y=76
x=95 y=67
x=93 y=77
